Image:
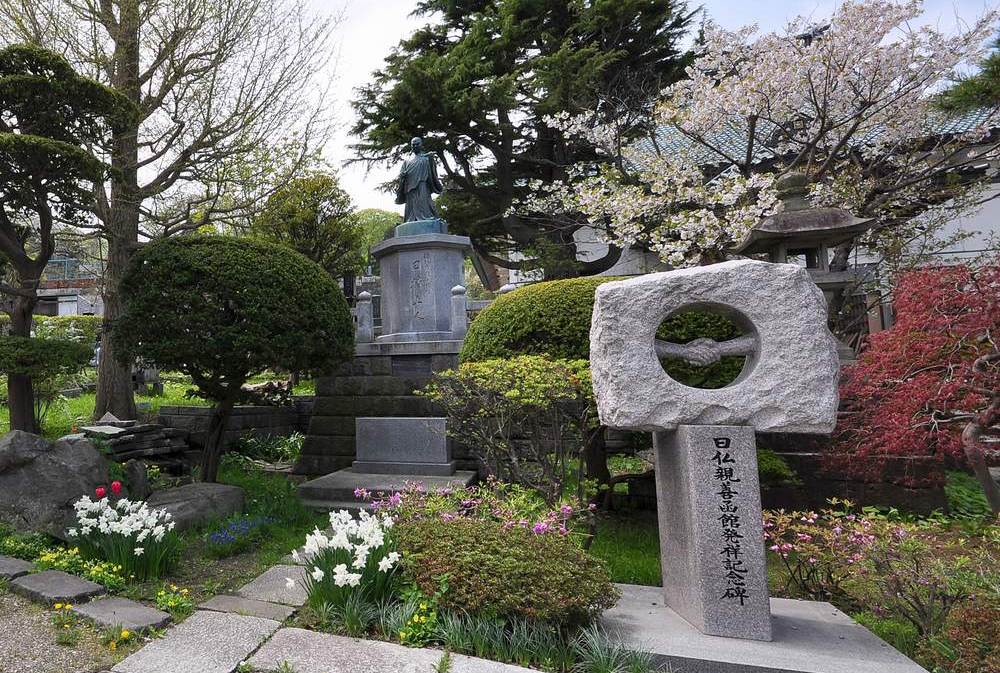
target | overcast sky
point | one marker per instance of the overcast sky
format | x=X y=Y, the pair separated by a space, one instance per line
x=372 y=27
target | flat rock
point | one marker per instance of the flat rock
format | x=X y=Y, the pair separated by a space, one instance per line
x=311 y=652
x=247 y=606
x=205 y=642
x=12 y=568
x=271 y=586
x=55 y=586
x=108 y=612
x=102 y=430
x=808 y=637
x=788 y=385
x=198 y=503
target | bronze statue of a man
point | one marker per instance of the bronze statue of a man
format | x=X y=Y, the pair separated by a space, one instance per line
x=418 y=179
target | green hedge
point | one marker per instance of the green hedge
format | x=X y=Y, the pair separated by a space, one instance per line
x=41 y=359
x=553 y=318
x=79 y=328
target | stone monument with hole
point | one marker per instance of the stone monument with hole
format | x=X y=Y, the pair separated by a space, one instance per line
x=715 y=613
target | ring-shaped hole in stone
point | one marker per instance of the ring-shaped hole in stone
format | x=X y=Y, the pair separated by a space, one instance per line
x=706 y=345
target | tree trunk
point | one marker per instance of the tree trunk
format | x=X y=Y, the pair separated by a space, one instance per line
x=212 y=453
x=595 y=455
x=114 y=378
x=20 y=394
x=973 y=440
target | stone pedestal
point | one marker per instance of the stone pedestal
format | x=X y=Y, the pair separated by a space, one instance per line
x=417 y=446
x=711 y=534
x=418 y=274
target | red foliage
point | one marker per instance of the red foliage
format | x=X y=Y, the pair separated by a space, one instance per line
x=907 y=395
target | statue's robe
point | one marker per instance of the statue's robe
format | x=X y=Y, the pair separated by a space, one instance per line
x=417 y=181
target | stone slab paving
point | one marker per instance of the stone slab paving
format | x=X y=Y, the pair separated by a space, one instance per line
x=311 y=652
x=271 y=587
x=55 y=586
x=206 y=642
x=12 y=568
x=248 y=606
x=108 y=612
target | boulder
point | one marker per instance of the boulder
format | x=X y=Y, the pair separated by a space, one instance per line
x=198 y=503
x=40 y=480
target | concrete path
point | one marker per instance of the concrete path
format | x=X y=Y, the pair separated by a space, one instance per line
x=227 y=631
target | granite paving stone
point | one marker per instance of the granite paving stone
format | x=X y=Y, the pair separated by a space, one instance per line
x=311 y=652
x=271 y=586
x=12 y=568
x=55 y=586
x=248 y=606
x=205 y=642
x=122 y=612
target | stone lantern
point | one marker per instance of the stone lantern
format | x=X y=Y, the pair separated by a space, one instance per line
x=803 y=231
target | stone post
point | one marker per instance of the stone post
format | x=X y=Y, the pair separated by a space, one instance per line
x=366 y=322
x=711 y=533
x=459 y=313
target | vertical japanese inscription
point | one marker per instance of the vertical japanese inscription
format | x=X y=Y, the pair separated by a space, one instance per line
x=420 y=281
x=732 y=552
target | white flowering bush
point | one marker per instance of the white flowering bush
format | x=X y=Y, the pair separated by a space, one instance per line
x=131 y=534
x=356 y=559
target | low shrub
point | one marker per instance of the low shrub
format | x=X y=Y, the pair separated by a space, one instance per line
x=969 y=642
x=268 y=495
x=491 y=500
x=24 y=546
x=897 y=632
x=505 y=571
x=773 y=469
x=128 y=534
x=966 y=499
x=271 y=448
x=527 y=418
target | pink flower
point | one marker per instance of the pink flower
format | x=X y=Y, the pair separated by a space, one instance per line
x=566 y=510
x=116 y=487
x=100 y=492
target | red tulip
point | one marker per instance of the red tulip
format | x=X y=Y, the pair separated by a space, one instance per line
x=116 y=487
x=100 y=491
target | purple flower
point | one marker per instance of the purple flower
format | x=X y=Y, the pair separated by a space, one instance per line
x=540 y=527
x=566 y=510
x=361 y=493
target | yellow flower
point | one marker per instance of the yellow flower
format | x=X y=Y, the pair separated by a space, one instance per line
x=423 y=606
x=125 y=633
x=68 y=606
x=113 y=645
x=58 y=606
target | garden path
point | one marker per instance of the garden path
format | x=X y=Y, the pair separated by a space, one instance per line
x=245 y=632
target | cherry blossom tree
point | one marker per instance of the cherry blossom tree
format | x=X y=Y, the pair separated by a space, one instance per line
x=850 y=103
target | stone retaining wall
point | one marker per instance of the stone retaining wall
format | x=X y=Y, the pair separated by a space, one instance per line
x=246 y=419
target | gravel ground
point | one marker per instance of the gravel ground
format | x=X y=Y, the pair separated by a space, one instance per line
x=28 y=645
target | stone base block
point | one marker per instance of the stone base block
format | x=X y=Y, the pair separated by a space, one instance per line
x=336 y=490
x=808 y=637
x=416 y=469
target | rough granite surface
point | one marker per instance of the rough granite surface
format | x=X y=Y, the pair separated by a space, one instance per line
x=789 y=385
x=271 y=586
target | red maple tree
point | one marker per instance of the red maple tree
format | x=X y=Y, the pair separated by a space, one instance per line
x=915 y=388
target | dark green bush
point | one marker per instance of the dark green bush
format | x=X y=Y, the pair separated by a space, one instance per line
x=969 y=643
x=42 y=359
x=899 y=633
x=773 y=469
x=553 y=318
x=509 y=572
x=222 y=309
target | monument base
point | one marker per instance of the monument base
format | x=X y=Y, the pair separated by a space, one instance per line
x=415 y=469
x=808 y=637
x=336 y=491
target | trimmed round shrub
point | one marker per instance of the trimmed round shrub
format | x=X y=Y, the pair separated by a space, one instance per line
x=550 y=318
x=493 y=570
x=222 y=309
x=81 y=328
x=553 y=318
